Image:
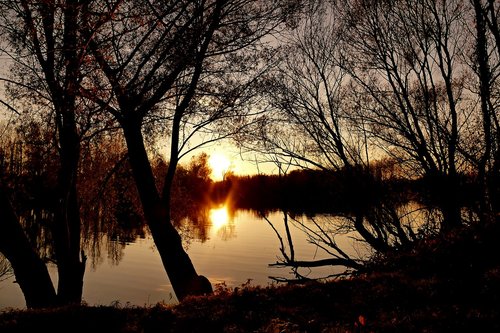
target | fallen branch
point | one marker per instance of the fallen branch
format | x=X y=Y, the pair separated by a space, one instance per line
x=319 y=263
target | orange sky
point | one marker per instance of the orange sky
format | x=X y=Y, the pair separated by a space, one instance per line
x=240 y=165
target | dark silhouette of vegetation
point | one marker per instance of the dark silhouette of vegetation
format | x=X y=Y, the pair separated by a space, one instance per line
x=311 y=191
x=397 y=211
x=109 y=203
x=165 y=70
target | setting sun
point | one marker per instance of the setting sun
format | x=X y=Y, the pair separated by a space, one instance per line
x=219 y=164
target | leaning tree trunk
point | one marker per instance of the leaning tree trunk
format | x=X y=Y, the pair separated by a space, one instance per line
x=180 y=270
x=30 y=271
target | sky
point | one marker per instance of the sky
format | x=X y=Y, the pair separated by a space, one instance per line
x=237 y=164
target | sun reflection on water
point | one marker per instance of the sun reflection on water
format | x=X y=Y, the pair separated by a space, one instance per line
x=219 y=217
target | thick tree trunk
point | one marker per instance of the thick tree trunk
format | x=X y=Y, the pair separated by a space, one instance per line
x=66 y=232
x=30 y=271
x=67 y=228
x=180 y=270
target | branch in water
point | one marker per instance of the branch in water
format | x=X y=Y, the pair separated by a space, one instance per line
x=319 y=263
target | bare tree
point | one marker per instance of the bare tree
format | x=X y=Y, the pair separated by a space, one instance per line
x=306 y=122
x=407 y=59
x=309 y=123
x=360 y=79
x=47 y=51
x=180 y=66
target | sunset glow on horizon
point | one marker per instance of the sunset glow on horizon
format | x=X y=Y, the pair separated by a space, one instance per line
x=220 y=165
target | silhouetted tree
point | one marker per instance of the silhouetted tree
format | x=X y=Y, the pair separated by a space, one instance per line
x=408 y=62
x=305 y=125
x=393 y=79
x=47 y=51
x=183 y=66
x=309 y=124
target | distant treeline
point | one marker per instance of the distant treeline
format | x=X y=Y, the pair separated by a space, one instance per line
x=314 y=191
x=320 y=191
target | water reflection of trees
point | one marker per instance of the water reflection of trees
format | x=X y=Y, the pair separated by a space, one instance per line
x=5 y=268
x=111 y=214
x=115 y=218
x=385 y=212
x=379 y=210
x=197 y=223
x=337 y=236
x=108 y=197
x=191 y=199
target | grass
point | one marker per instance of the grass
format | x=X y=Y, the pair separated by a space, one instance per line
x=446 y=284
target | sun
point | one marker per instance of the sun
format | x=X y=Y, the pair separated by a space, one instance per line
x=219 y=164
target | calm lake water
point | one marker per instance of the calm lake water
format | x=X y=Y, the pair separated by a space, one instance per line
x=234 y=251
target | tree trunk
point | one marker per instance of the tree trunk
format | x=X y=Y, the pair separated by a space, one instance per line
x=180 y=270
x=484 y=75
x=30 y=271
x=67 y=228
x=445 y=195
x=66 y=232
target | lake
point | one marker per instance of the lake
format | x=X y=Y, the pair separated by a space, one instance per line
x=235 y=249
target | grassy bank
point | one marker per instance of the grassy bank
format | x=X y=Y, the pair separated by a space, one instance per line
x=443 y=285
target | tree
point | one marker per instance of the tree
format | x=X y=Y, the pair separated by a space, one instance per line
x=47 y=51
x=168 y=65
x=306 y=122
x=147 y=64
x=309 y=124
x=408 y=62
x=364 y=80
